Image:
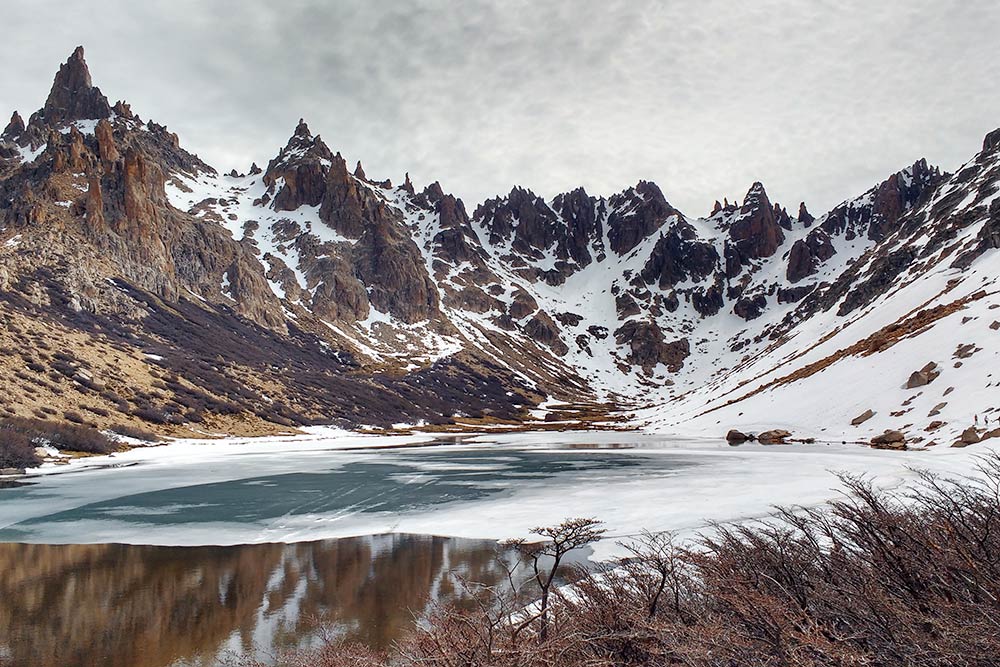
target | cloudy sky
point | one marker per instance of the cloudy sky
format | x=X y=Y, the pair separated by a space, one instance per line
x=819 y=99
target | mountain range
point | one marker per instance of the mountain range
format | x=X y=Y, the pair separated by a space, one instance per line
x=140 y=285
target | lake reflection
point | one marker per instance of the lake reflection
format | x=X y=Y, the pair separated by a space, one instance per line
x=142 y=606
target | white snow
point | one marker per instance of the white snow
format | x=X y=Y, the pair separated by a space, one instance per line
x=659 y=483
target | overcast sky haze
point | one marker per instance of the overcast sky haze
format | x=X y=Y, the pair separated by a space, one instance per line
x=818 y=100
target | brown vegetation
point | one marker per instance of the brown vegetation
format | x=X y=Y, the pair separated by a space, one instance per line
x=875 y=578
x=19 y=436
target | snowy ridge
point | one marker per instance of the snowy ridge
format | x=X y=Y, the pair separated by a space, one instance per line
x=520 y=277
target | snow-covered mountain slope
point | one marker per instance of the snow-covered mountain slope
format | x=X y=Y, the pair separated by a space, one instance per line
x=748 y=317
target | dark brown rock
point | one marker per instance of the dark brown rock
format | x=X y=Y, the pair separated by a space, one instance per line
x=863 y=417
x=635 y=215
x=679 y=255
x=750 y=308
x=73 y=95
x=889 y=440
x=991 y=141
x=808 y=253
x=776 y=436
x=756 y=232
x=805 y=217
x=794 y=294
x=970 y=436
x=14 y=129
x=648 y=347
x=299 y=170
x=738 y=437
x=924 y=376
x=522 y=305
x=543 y=330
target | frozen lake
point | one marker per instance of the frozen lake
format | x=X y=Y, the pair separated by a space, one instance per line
x=332 y=484
x=336 y=531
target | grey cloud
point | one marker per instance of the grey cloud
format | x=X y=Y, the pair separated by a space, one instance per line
x=818 y=100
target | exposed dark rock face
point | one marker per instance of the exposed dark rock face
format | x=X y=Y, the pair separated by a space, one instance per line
x=756 y=233
x=680 y=255
x=299 y=168
x=991 y=141
x=648 y=347
x=709 y=301
x=877 y=216
x=570 y=230
x=635 y=215
x=807 y=254
x=794 y=294
x=583 y=217
x=14 y=129
x=750 y=308
x=522 y=216
x=804 y=216
x=543 y=329
x=73 y=95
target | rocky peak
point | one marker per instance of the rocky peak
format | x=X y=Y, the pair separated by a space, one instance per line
x=991 y=141
x=434 y=192
x=755 y=233
x=583 y=224
x=15 y=128
x=805 y=217
x=302 y=167
x=635 y=214
x=359 y=172
x=755 y=198
x=876 y=213
x=73 y=95
x=124 y=110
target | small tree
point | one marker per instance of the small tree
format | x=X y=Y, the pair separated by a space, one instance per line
x=654 y=562
x=558 y=541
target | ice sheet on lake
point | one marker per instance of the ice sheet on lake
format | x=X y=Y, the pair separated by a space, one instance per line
x=333 y=484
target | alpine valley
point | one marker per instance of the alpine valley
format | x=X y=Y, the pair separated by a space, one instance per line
x=140 y=286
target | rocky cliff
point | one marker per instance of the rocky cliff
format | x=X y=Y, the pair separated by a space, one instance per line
x=310 y=292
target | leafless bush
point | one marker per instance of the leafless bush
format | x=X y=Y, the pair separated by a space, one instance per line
x=16 y=449
x=72 y=437
x=875 y=577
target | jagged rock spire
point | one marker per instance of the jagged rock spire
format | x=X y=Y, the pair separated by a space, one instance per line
x=359 y=172
x=15 y=127
x=991 y=141
x=805 y=217
x=302 y=130
x=73 y=95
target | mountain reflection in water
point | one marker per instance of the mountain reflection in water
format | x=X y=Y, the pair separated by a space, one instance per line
x=142 y=606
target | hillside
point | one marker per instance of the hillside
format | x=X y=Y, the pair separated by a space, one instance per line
x=139 y=284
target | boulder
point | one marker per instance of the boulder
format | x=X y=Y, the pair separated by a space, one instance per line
x=889 y=440
x=924 y=376
x=735 y=437
x=863 y=417
x=970 y=436
x=773 y=437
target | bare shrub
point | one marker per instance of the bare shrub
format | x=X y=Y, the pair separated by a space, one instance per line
x=16 y=449
x=72 y=437
x=898 y=578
